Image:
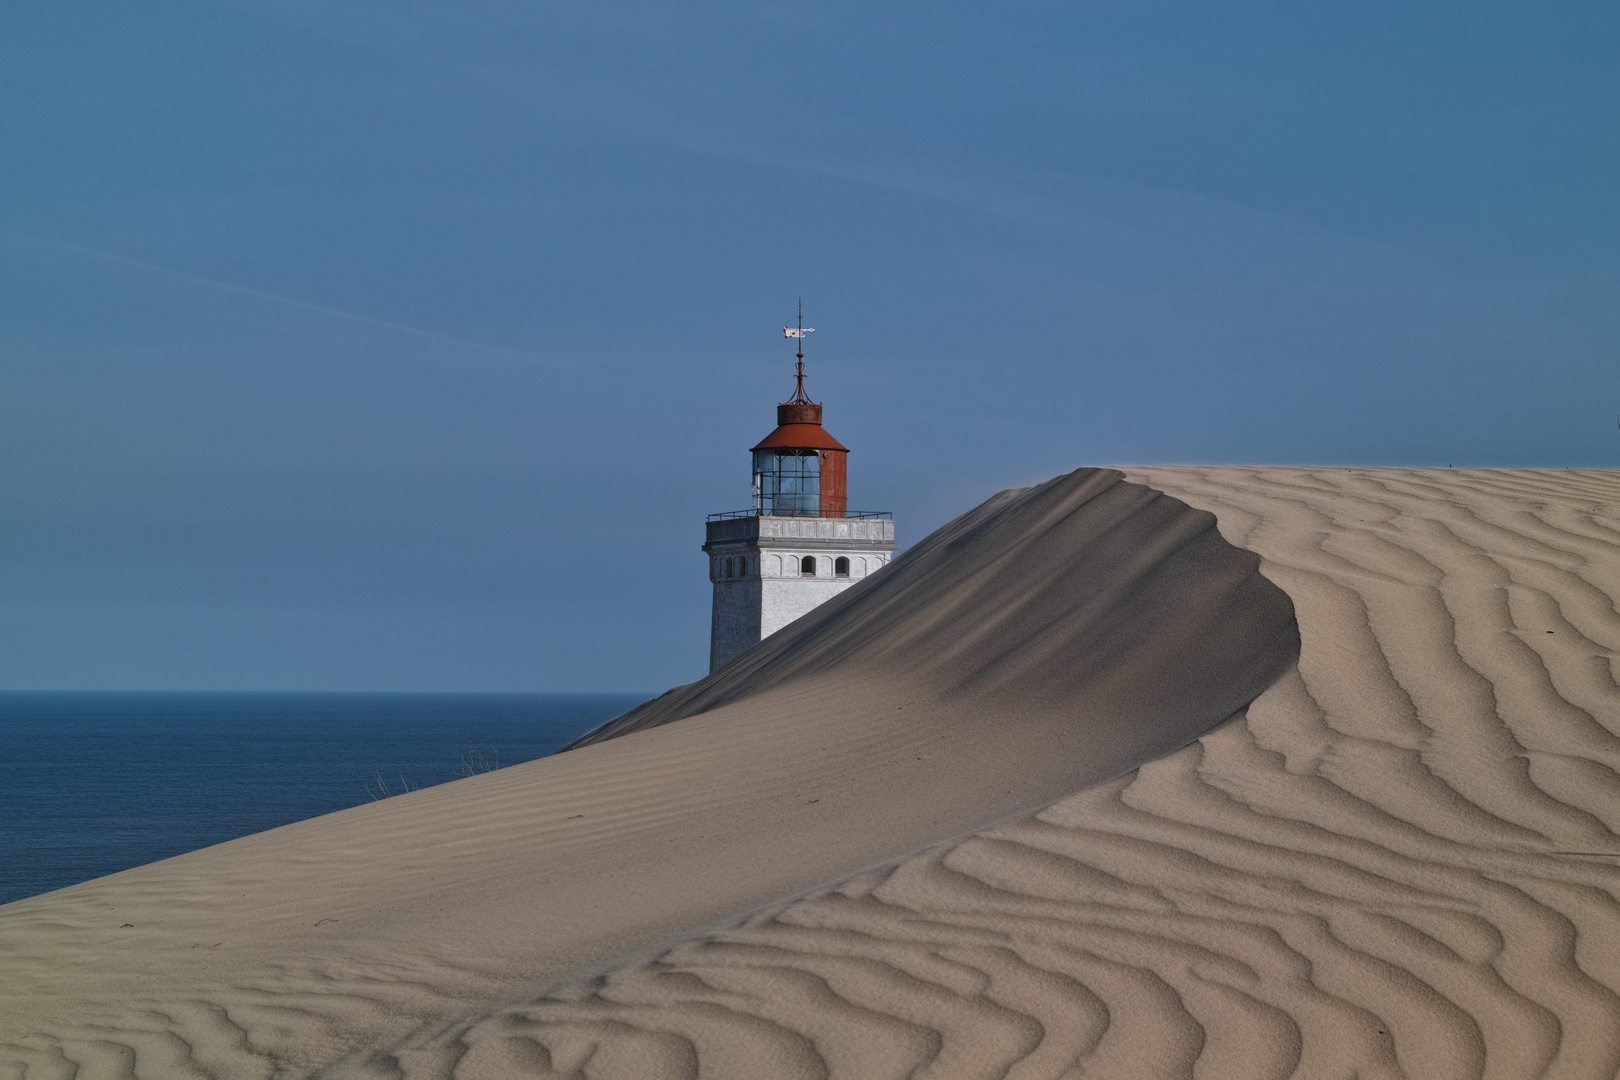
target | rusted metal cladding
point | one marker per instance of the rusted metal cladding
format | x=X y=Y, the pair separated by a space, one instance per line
x=798 y=412
x=834 y=485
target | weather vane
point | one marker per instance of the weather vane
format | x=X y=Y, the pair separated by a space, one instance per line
x=798 y=332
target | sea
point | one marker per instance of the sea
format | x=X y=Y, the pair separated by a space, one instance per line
x=94 y=783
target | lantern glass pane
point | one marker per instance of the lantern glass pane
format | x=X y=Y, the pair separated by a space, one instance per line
x=788 y=482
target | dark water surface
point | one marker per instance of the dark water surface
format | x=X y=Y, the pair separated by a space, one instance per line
x=95 y=783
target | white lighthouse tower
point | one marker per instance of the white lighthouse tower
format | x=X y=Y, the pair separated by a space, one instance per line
x=798 y=546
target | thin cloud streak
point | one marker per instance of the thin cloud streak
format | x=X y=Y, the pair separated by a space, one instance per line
x=310 y=306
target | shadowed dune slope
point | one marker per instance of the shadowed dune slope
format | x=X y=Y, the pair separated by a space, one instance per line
x=1049 y=640
x=1403 y=861
x=1083 y=597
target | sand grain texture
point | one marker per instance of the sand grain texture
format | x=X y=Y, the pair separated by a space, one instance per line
x=1400 y=861
x=1048 y=640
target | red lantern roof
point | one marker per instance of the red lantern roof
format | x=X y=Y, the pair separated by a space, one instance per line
x=800 y=437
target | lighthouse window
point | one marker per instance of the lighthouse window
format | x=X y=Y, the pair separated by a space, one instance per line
x=841 y=567
x=787 y=482
x=807 y=565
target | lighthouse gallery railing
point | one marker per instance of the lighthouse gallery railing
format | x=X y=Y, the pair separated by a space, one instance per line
x=859 y=515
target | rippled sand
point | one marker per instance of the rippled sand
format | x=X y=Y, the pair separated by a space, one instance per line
x=1400 y=861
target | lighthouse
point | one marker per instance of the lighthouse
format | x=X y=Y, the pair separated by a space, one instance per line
x=799 y=545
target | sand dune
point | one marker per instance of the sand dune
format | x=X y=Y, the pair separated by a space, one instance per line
x=1085 y=597
x=1401 y=862
x=1049 y=640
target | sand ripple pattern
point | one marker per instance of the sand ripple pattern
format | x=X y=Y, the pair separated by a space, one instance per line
x=1043 y=642
x=1402 y=862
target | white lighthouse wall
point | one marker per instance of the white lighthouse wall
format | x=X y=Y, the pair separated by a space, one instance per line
x=783 y=600
x=755 y=563
x=786 y=595
x=749 y=609
x=736 y=624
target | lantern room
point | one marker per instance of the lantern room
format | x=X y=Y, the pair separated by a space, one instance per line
x=799 y=469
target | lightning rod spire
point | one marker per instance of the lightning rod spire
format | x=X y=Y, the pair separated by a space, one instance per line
x=799 y=397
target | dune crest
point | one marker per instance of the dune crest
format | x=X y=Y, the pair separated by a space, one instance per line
x=1050 y=639
x=1096 y=600
x=1401 y=862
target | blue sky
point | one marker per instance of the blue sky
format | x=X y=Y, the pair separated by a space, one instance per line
x=350 y=345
